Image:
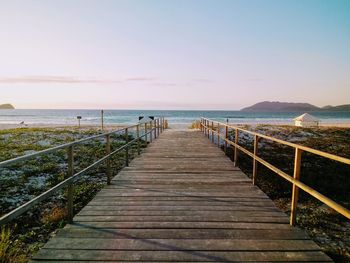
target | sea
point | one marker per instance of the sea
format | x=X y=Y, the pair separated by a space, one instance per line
x=93 y=117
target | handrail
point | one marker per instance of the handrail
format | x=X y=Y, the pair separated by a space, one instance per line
x=62 y=146
x=207 y=127
x=158 y=126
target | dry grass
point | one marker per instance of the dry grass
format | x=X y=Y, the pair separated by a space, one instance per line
x=56 y=215
x=9 y=251
x=195 y=125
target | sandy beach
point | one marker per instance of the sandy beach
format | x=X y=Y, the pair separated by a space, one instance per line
x=6 y=126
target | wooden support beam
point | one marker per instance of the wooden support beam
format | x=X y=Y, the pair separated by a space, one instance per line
x=70 y=191
x=235 y=157
x=295 y=190
x=255 y=162
x=138 y=139
x=108 y=161
x=127 y=148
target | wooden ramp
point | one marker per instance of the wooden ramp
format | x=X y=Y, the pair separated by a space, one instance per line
x=182 y=200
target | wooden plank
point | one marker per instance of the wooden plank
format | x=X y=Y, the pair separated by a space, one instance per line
x=183 y=225
x=278 y=234
x=174 y=255
x=204 y=210
x=224 y=204
x=184 y=198
x=182 y=244
x=186 y=212
x=119 y=203
x=210 y=217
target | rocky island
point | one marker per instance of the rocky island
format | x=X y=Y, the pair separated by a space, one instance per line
x=6 y=106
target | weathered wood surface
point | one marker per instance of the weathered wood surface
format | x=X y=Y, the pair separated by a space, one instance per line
x=182 y=200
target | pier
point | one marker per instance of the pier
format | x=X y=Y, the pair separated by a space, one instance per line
x=182 y=200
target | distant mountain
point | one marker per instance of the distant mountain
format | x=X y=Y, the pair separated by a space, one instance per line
x=280 y=106
x=345 y=107
x=291 y=106
x=6 y=106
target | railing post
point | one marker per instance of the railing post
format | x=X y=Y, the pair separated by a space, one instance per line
x=102 y=124
x=203 y=126
x=208 y=130
x=235 y=157
x=138 y=138
x=155 y=129
x=146 y=139
x=226 y=137
x=218 y=135
x=203 y=123
x=108 y=151
x=295 y=190
x=150 y=132
x=255 y=162
x=127 y=147
x=212 y=132
x=158 y=126
x=70 y=192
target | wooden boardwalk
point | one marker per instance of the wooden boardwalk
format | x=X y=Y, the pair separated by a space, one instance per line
x=182 y=200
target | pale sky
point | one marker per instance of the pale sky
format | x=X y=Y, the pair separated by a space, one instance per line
x=181 y=54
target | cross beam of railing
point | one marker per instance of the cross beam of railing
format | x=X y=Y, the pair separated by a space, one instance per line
x=207 y=127
x=158 y=126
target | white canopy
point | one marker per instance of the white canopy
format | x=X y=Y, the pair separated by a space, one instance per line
x=306 y=117
x=145 y=119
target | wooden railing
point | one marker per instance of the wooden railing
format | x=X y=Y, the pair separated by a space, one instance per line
x=213 y=128
x=151 y=130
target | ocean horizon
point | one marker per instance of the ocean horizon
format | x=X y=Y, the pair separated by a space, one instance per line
x=93 y=117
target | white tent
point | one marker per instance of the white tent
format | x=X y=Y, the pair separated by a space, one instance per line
x=306 y=120
x=146 y=119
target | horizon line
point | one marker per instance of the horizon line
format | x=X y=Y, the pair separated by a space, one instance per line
x=135 y=109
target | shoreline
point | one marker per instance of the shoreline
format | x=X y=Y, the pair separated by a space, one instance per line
x=9 y=126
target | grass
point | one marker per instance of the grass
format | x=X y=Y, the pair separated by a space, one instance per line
x=9 y=251
x=195 y=125
x=19 y=183
x=328 y=229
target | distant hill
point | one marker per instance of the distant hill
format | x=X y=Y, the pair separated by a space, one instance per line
x=6 y=106
x=345 y=107
x=280 y=106
x=291 y=106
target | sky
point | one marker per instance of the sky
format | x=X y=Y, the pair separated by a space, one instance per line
x=183 y=54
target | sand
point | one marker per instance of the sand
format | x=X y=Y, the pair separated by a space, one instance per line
x=5 y=126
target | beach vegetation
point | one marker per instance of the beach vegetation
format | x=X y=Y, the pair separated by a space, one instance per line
x=195 y=125
x=327 y=228
x=10 y=251
x=25 y=180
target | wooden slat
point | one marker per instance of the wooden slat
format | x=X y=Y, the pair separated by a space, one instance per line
x=176 y=255
x=183 y=244
x=209 y=217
